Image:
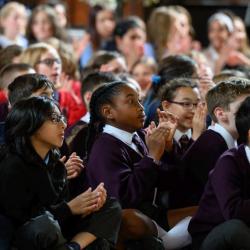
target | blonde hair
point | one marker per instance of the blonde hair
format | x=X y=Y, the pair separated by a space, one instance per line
x=33 y=53
x=68 y=57
x=162 y=18
x=9 y=7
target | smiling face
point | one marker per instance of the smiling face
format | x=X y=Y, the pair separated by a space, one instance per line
x=49 y=65
x=240 y=33
x=41 y=26
x=217 y=34
x=185 y=115
x=126 y=111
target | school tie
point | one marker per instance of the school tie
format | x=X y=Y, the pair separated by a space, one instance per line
x=140 y=145
x=184 y=142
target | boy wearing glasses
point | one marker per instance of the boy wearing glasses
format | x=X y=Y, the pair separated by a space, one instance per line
x=222 y=101
x=181 y=97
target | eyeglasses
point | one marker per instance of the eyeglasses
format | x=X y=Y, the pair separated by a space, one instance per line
x=50 y=61
x=56 y=118
x=186 y=105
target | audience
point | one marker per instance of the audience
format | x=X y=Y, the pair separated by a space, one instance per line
x=187 y=141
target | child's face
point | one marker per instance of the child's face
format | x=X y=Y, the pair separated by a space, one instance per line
x=127 y=113
x=185 y=114
x=13 y=23
x=51 y=134
x=105 y=23
x=50 y=65
x=132 y=43
x=217 y=34
x=143 y=74
x=240 y=33
x=41 y=27
x=229 y=121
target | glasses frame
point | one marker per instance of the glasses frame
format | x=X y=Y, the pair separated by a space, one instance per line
x=186 y=105
x=50 y=61
x=57 y=118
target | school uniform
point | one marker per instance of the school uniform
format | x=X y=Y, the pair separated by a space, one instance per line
x=73 y=131
x=128 y=175
x=31 y=187
x=181 y=143
x=201 y=158
x=227 y=193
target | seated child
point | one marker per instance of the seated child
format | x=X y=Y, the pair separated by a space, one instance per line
x=181 y=97
x=222 y=220
x=128 y=161
x=33 y=186
x=222 y=102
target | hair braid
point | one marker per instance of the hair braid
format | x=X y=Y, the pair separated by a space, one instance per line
x=102 y=95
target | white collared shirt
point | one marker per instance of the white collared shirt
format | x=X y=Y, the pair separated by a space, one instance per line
x=86 y=117
x=121 y=135
x=178 y=134
x=247 y=149
x=230 y=141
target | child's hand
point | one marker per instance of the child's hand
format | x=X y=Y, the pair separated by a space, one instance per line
x=103 y=195
x=74 y=165
x=199 y=121
x=156 y=140
x=85 y=203
x=170 y=120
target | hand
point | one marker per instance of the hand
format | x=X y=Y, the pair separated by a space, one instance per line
x=171 y=121
x=103 y=195
x=79 y=45
x=85 y=203
x=204 y=85
x=74 y=165
x=156 y=140
x=237 y=58
x=199 y=121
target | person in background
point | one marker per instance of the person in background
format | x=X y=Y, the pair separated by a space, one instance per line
x=143 y=72
x=13 y=18
x=44 y=24
x=100 y=30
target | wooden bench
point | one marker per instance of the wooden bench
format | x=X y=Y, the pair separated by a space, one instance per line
x=176 y=215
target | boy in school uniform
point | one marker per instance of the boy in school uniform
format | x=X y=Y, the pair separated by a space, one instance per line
x=222 y=102
x=222 y=220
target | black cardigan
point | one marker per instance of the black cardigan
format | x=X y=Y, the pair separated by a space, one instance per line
x=28 y=187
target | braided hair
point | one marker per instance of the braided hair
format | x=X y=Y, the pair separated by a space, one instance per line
x=102 y=95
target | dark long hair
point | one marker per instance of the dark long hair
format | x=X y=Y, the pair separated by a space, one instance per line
x=102 y=95
x=24 y=119
x=94 y=36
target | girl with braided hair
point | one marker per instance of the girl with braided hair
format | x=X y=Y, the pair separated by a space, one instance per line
x=127 y=161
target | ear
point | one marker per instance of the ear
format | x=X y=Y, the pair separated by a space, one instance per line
x=87 y=97
x=220 y=114
x=165 y=105
x=107 y=112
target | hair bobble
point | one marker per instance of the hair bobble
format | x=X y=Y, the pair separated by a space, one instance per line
x=156 y=79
